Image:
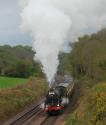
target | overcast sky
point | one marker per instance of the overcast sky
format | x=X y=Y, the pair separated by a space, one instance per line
x=10 y=20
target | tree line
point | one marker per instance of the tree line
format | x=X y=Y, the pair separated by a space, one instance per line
x=88 y=56
x=18 y=61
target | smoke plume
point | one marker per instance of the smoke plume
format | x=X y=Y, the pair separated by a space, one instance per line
x=53 y=23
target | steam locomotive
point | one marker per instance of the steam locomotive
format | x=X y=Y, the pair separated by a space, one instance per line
x=58 y=98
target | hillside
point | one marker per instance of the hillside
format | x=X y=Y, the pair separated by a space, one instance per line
x=88 y=60
x=14 y=100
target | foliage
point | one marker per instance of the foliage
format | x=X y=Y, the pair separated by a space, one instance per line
x=92 y=107
x=72 y=119
x=97 y=104
x=65 y=66
x=18 y=62
x=8 y=82
x=88 y=56
x=88 y=60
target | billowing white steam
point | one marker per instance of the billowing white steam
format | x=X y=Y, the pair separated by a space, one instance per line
x=65 y=101
x=52 y=23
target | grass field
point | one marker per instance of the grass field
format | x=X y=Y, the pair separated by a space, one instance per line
x=8 y=82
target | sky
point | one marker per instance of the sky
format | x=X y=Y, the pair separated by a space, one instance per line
x=10 y=21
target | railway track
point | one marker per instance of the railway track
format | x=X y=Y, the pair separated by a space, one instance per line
x=26 y=116
x=21 y=118
x=49 y=120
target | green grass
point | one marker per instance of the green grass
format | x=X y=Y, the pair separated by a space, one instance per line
x=9 y=82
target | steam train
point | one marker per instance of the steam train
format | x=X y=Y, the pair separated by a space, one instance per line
x=58 y=98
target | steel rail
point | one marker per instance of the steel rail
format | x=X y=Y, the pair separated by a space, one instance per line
x=26 y=116
x=22 y=117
